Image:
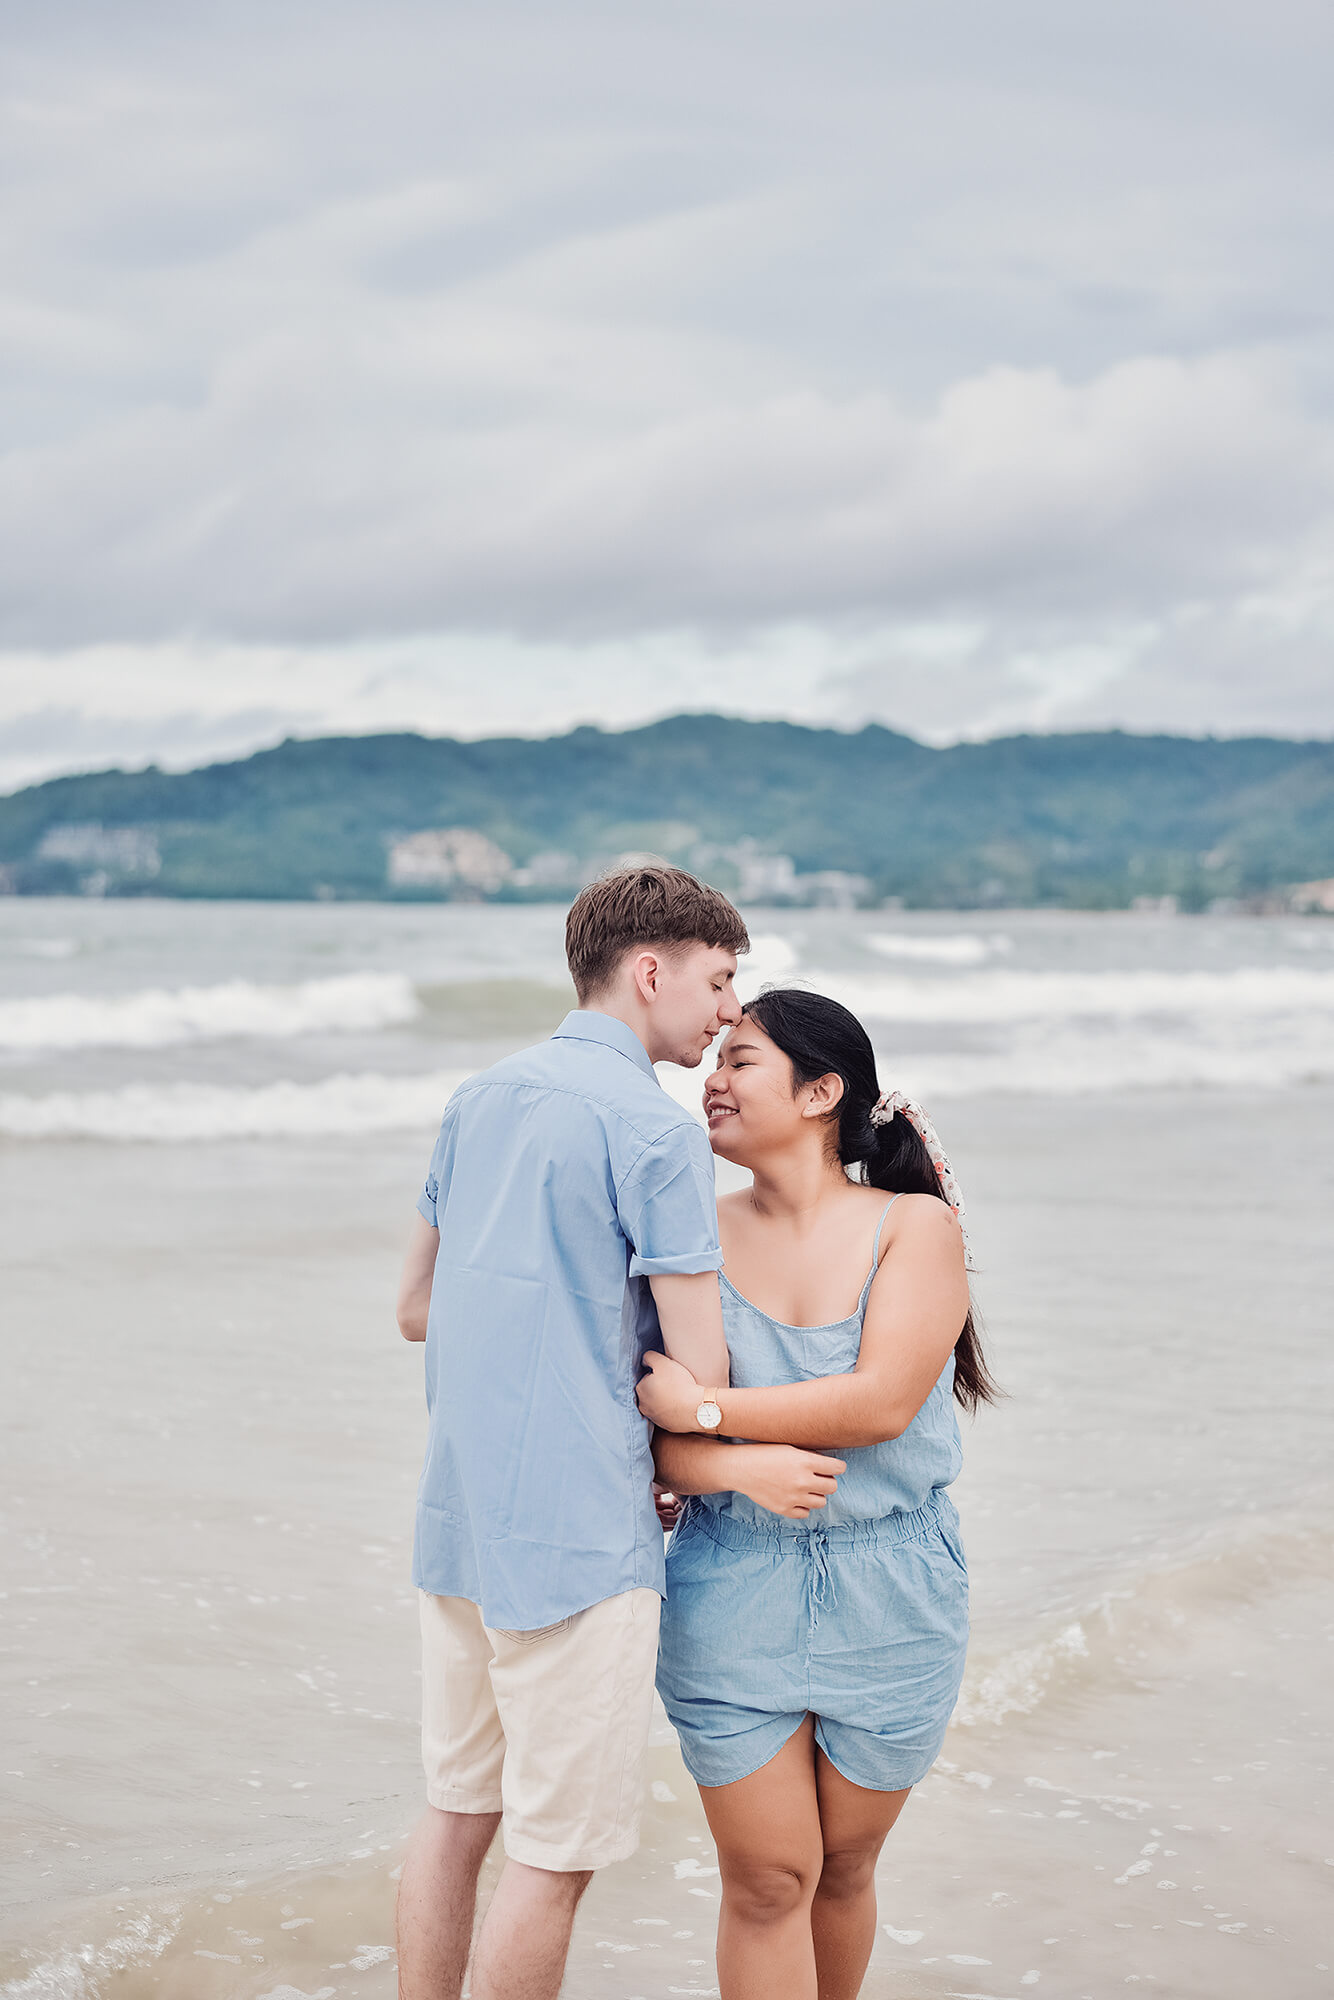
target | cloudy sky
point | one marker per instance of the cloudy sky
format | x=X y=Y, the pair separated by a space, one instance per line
x=484 y=368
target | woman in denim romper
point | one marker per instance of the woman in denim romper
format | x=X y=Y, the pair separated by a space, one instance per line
x=816 y=1621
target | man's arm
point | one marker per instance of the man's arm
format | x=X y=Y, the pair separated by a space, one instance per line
x=414 y=1289
x=918 y=1305
x=668 y=1212
x=690 y=1313
x=779 y=1477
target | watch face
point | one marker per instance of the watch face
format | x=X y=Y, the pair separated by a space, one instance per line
x=708 y=1416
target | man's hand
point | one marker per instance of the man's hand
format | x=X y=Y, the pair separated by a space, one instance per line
x=785 y=1479
x=669 y=1395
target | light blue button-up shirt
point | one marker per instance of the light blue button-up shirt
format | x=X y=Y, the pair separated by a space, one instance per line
x=563 y=1179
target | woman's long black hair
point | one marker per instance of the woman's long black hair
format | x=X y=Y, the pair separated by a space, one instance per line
x=821 y=1038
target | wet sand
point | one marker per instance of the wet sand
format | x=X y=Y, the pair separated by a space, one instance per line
x=212 y=1441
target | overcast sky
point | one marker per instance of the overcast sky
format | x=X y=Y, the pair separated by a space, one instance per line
x=497 y=368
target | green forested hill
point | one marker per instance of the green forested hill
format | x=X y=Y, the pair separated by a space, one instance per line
x=1093 y=819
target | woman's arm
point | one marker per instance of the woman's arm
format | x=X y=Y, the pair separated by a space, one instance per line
x=918 y=1304
x=779 y=1477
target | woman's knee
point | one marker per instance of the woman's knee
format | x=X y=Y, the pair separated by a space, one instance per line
x=764 y=1892
x=848 y=1871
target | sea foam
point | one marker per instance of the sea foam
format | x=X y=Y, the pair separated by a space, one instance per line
x=1004 y=995
x=82 y=1972
x=1055 y=1064
x=199 y=1111
x=156 y=1017
x=1242 y=1563
x=939 y=947
x=1065 y=1059
x=1016 y=1683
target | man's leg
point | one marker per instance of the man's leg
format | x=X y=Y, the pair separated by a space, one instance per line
x=576 y=1701
x=437 y=1901
x=525 y=1938
x=463 y=1750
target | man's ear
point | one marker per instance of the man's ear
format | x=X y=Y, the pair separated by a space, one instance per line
x=646 y=972
x=826 y=1094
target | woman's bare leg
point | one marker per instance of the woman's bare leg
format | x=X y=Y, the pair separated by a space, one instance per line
x=767 y=1831
x=853 y=1824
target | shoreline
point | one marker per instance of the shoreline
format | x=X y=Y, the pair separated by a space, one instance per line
x=1155 y=1837
x=215 y=1432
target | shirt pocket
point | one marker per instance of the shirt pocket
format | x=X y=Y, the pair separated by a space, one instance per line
x=540 y=1632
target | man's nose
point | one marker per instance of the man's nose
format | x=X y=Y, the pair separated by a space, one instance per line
x=730 y=1011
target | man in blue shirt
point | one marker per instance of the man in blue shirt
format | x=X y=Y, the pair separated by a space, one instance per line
x=568 y=1222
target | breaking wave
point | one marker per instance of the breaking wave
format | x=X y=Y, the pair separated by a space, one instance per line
x=1060 y=1061
x=81 y=1972
x=1017 y=1682
x=1237 y=1569
x=45 y=947
x=1067 y=1060
x=1004 y=996
x=185 y=1111
x=1061 y=1034
x=939 y=948
x=157 y=1017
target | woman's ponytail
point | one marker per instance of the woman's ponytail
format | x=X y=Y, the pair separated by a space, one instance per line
x=901 y=1163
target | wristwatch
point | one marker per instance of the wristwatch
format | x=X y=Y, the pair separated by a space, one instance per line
x=709 y=1414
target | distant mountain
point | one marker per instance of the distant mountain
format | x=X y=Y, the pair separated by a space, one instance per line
x=1092 y=820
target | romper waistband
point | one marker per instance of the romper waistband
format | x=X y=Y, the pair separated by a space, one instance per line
x=782 y=1536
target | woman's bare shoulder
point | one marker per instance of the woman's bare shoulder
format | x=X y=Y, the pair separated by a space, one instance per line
x=870 y=1201
x=921 y=1217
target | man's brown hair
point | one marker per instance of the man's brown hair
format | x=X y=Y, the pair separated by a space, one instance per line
x=632 y=909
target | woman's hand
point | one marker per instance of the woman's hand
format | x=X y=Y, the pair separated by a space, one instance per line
x=785 y=1479
x=669 y=1395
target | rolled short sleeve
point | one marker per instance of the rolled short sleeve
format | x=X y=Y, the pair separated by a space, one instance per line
x=437 y=1174
x=427 y=1199
x=668 y=1209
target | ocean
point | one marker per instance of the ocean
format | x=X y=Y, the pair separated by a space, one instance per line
x=214 y=1119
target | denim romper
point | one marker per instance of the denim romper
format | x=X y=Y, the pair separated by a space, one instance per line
x=857 y=1615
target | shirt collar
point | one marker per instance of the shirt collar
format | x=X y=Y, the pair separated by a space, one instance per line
x=582 y=1025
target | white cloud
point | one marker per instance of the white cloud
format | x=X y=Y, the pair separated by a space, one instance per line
x=266 y=511
x=490 y=370
x=183 y=703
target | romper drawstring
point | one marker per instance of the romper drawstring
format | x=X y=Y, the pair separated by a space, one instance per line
x=822 y=1586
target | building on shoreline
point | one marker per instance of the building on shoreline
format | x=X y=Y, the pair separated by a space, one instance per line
x=450 y=858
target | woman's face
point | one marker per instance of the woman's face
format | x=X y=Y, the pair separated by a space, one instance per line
x=748 y=1098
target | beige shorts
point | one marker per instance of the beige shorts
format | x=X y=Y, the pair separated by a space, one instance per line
x=549 y=1727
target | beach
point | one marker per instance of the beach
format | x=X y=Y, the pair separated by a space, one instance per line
x=213 y=1123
